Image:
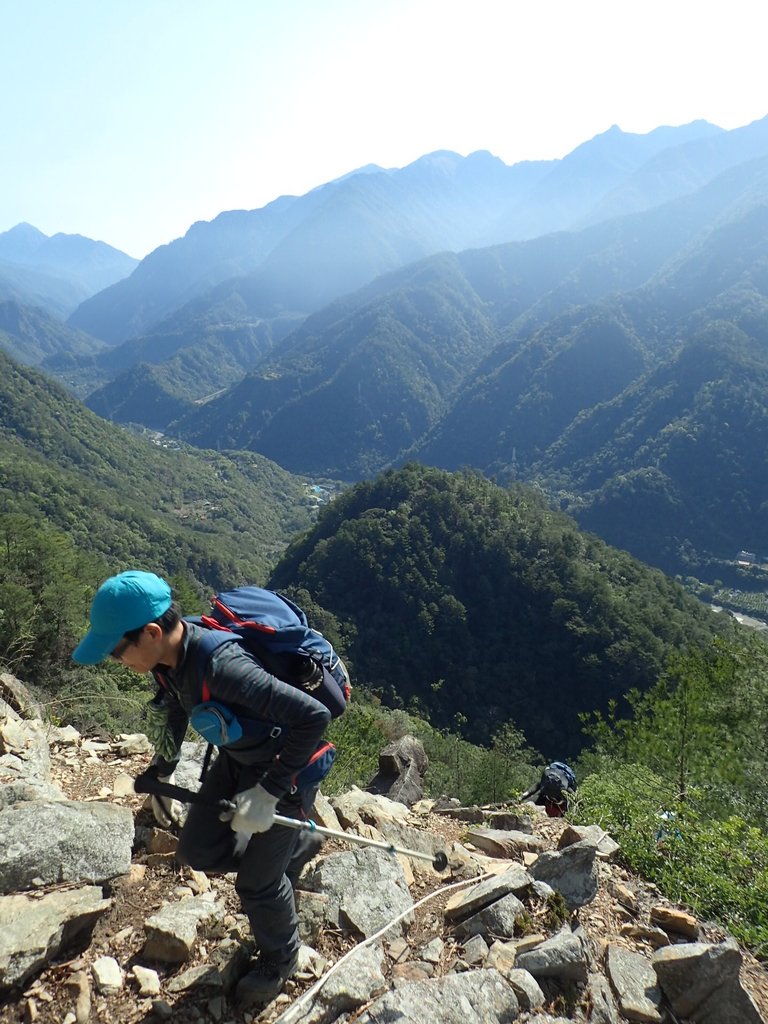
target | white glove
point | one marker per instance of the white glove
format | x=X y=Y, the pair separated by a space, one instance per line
x=167 y=812
x=254 y=811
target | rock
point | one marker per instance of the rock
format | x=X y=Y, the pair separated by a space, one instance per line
x=20 y=698
x=37 y=929
x=498 y=919
x=571 y=871
x=475 y=951
x=412 y=971
x=528 y=942
x=63 y=736
x=28 y=789
x=401 y=771
x=195 y=978
x=526 y=988
x=314 y=909
x=433 y=951
x=147 y=980
x=171 y=933
x=702 y=982
x=676 y=921
x=472 y=815
x=474 y=997
x=323 y=813
x=508 y=822
x=107 y=975
x=356 y=807
x=625 y=896
x=230 y=958
x=504 y=844
x=562 y=957
x=655 y=937
x=423 y=807
x=502 y=955
x=82 y=989
x=634 y=982
x=132 y=743
x=444 y=803
x=601 y=1001
x=365 y=888
x=311 y=962
x=607 y=848
x=24 y=749
x=358 y=980
x=465 y=902
x=63 y=842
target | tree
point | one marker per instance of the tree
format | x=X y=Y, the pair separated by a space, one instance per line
x=701 y=728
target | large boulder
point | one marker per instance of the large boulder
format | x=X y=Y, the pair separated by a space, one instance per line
x=402 y=766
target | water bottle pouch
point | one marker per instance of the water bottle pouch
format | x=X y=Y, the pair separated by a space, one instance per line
x=216 y=723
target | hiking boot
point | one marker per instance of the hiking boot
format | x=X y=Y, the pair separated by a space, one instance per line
x=306 y=848
x=265 y=981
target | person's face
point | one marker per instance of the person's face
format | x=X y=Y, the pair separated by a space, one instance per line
x=142 y=654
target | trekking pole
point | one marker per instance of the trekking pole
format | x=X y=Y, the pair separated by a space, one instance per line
x=148 y=784
x=439 y=860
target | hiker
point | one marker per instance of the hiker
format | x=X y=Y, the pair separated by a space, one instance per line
x=553 y=788
x=134 y=621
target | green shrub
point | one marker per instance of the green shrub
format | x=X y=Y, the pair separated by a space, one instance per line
x=717 y=868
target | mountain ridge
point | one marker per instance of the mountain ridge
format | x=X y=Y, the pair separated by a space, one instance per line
x=58 y=271
x=307 y=246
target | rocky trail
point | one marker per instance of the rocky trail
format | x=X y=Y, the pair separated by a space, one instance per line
x=534 y=920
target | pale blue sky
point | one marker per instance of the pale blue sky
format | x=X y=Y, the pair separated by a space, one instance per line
x=128 y=120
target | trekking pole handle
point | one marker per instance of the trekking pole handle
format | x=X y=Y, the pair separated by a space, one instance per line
x=149 y=784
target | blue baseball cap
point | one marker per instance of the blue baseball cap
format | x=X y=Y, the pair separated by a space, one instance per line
x=124 y=602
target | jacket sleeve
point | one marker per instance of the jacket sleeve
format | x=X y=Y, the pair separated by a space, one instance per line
x=178 y=720
x=235 y=678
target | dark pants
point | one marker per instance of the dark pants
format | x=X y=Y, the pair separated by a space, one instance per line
x=265 y=892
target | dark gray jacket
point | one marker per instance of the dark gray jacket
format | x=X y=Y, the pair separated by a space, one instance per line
x=238 y=681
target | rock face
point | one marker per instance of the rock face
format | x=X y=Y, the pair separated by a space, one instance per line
x=530 y=917
x=402 y=766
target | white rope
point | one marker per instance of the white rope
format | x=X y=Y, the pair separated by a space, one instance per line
x=311 y=992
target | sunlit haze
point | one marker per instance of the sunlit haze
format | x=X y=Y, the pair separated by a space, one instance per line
x=128 y=120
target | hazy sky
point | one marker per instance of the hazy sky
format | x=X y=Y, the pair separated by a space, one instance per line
x=128 y=120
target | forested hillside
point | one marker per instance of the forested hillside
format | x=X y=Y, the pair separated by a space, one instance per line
x=559 y=360
x=33 y=336
x=159 y=377
x=678 y=470
x=481 y=606
x=381 y=351
x=217 y=519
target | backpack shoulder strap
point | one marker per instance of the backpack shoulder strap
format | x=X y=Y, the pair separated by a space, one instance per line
x=204 y=644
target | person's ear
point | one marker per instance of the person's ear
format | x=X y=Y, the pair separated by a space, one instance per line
x=154 y=631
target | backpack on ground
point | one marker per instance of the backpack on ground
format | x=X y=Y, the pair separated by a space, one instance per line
x=566 y=773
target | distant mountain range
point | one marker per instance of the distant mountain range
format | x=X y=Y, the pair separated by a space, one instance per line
x=57 y=272
x=298 y=253
x=610 y=344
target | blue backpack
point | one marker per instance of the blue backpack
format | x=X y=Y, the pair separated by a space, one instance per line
x=557 y=781
x=276 y=631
